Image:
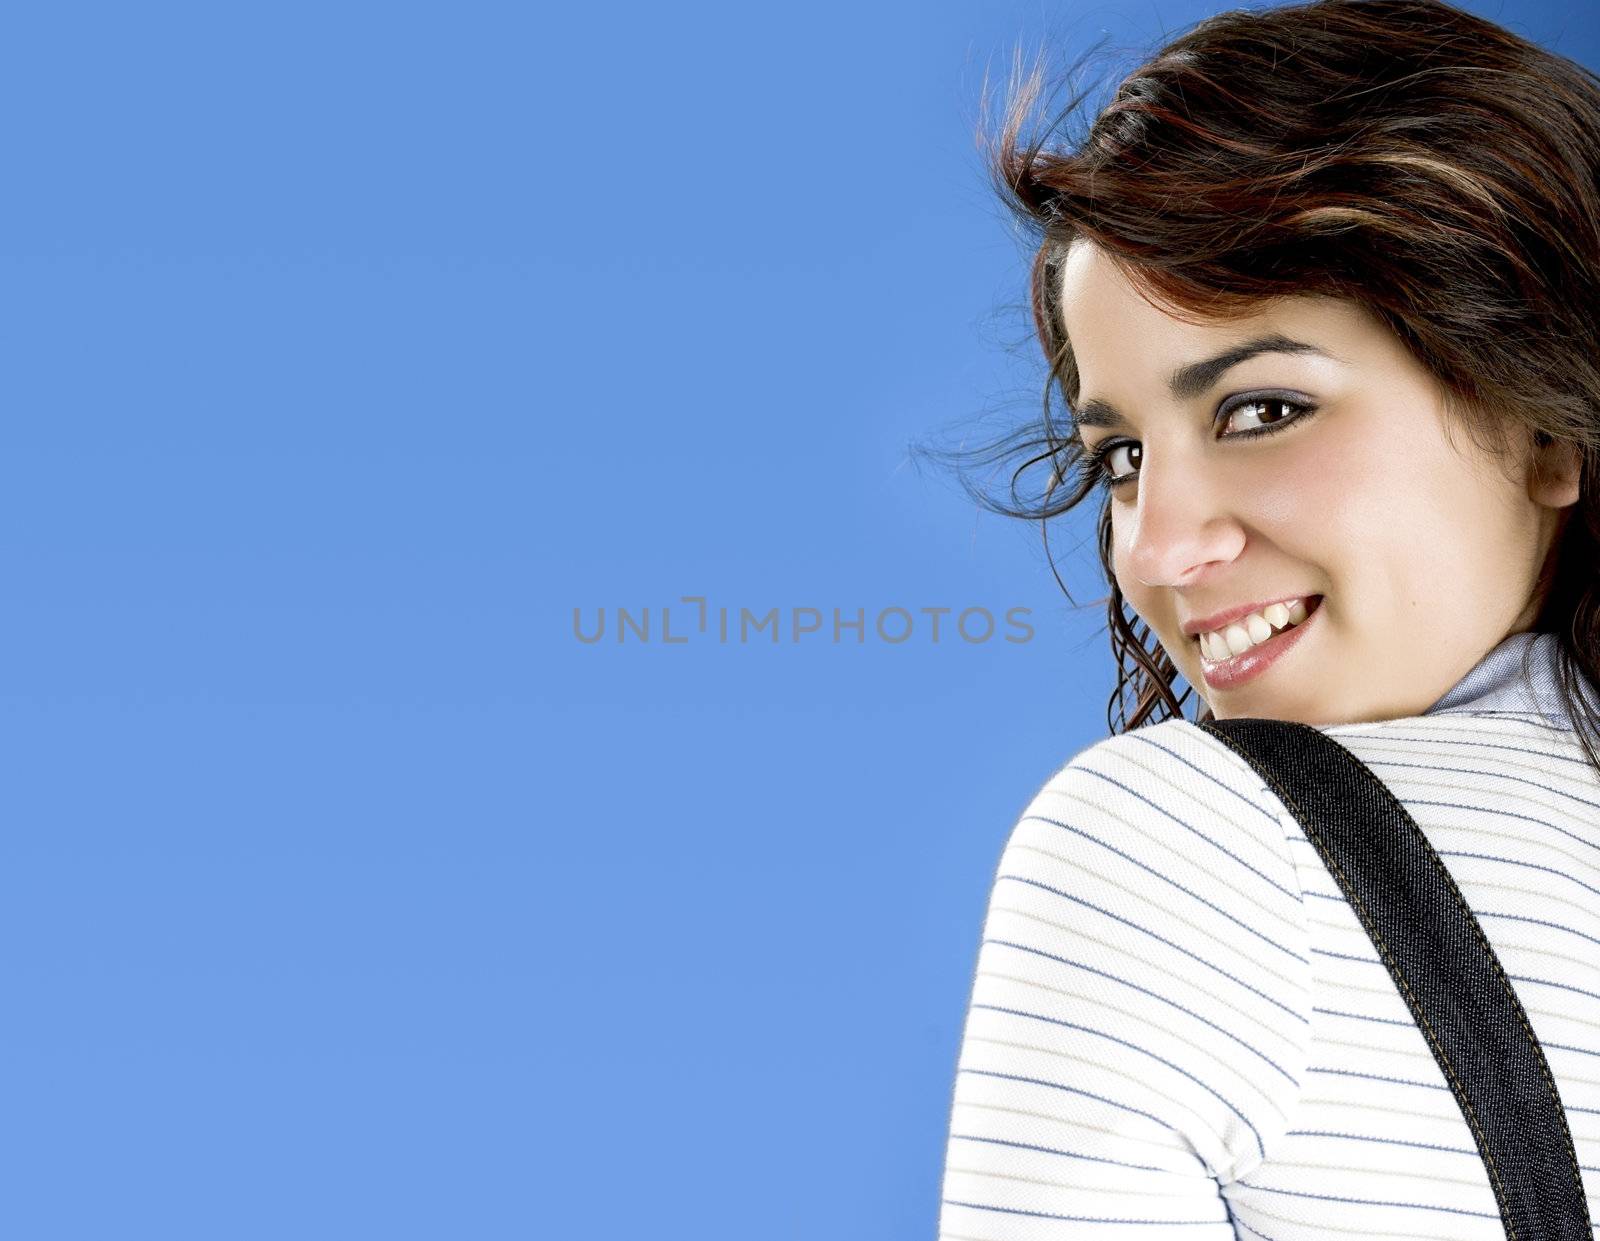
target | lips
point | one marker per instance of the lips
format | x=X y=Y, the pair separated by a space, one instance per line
x=1245 y=666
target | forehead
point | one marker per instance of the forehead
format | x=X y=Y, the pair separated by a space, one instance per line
x=1115 y=331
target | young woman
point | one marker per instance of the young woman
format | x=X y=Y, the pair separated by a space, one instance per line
x=1320 y=288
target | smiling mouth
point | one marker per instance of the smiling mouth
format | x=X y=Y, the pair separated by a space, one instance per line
x=1215 y=651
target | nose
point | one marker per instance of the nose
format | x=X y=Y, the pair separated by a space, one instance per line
x=1181 y=523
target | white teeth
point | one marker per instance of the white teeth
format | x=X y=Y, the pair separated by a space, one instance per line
x=1256 y=628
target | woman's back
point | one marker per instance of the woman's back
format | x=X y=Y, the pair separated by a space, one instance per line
x=1177 y=1019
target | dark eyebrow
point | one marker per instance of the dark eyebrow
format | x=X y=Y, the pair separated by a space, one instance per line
x=1196 y=377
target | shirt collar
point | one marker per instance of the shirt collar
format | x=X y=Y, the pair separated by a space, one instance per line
x=1521 y=674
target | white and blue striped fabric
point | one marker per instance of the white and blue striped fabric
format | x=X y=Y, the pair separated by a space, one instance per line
x=1179 y=1028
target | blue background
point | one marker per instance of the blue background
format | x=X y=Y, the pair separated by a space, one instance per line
x=348 y=349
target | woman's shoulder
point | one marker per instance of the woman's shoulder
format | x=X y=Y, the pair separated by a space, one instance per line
x=1174 y=760
x=1146 y=936
x=1169 y=789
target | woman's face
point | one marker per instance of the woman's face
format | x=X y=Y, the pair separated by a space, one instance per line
x=1424 y=551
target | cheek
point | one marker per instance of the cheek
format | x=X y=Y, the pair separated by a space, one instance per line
x=1347 y=514
x=1403 y=521
x=1326 y=500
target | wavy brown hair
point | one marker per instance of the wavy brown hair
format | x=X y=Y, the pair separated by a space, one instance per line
x=1427 y=164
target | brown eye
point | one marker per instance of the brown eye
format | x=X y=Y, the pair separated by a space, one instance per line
x=1103 y=455
x=1265 y=403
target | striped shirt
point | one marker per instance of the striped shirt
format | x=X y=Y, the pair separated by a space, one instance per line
x=1179 y=1028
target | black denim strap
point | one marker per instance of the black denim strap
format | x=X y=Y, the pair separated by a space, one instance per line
x=1442 y=964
